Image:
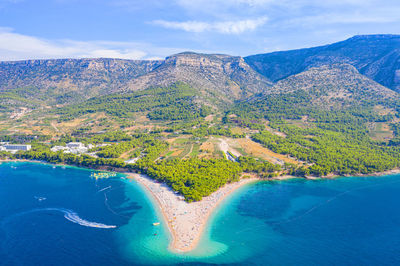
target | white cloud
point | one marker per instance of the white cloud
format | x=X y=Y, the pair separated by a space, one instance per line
x=254 y=2
x=287 y=8
x=239 y=26
x=14 y=46
x=191 y=26
x=110 y=53
x=206 y=4
x=299 y=13
x=227 y=27
x=222 y=4
x=379 y=16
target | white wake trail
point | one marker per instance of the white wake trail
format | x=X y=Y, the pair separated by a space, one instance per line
x=73 y=217
x=70 y=216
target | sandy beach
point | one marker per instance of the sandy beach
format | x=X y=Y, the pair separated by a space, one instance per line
x=186 y=221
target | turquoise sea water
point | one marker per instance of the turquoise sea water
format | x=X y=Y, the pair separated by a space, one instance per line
x=53 y=215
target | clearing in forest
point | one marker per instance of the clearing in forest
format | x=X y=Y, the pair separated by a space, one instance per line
x=257 y=150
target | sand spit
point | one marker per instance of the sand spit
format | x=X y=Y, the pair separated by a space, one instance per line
x=186 y=221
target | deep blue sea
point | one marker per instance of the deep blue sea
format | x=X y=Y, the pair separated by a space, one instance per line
x=54 y=215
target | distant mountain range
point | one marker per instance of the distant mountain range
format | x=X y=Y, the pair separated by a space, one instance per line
x=375 y=56
x=333 y=109
x=369 y=64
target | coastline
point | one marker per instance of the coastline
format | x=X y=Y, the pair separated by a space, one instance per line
x=277 y=178
x=377 y=174
x=186 y=221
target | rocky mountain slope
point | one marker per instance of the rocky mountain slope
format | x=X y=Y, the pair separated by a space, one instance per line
x=69 y=80
x=225 y=78
x=335 y=84
x=376 y=56
x=323 y=91
x=343 y=72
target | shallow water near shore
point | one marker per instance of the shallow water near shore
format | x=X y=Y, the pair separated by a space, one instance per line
x=60 y=215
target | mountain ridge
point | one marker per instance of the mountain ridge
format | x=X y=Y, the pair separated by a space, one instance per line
x=316 y=111
x=222 y=78
x=228 y=75
x=339 y=85
x=376 y=56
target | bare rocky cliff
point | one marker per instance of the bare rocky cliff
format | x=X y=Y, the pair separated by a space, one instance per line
x=375 y=56
x=226 y=78
x=337 y=85
x=85 y=77
x=341 y=71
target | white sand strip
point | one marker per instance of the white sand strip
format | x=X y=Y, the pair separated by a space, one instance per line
x=186 y=221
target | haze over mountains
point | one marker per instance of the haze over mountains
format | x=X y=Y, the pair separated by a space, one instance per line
x=369 y=64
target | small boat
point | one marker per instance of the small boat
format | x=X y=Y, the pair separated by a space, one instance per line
x=102 y=175
x=155 y=224
x=40 y=198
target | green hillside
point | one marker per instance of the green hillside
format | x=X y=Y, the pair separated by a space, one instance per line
x=198 y=121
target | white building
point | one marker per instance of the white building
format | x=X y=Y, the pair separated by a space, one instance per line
x=75 y=145
x=58 y=148
x=17 y=147
x=77 y=150
x=72 y=147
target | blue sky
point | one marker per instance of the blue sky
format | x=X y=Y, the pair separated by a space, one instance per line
x=150 y=29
